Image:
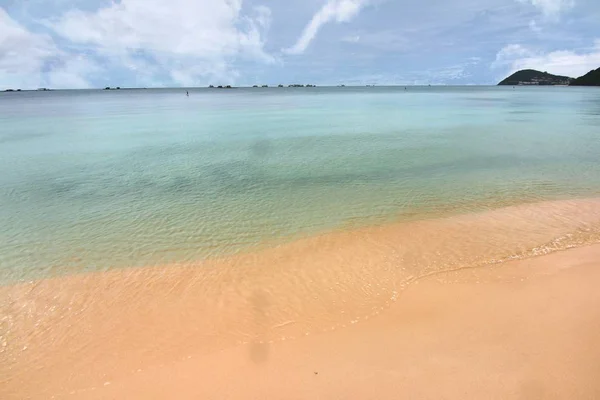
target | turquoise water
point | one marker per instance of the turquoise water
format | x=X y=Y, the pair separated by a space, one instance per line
x=99 y=179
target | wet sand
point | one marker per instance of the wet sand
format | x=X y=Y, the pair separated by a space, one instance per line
x=349 y=319
x=527 y=330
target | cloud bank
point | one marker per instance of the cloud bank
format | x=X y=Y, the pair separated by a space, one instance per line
x=192 y=39
x=515 y=57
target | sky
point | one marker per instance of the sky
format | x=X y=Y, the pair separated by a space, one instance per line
x=173 y=43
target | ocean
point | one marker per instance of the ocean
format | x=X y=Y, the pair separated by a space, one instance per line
x=95 y=180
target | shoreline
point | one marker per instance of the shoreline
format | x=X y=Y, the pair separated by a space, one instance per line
x=366 y=228
x=527 y=329
x=106 y=325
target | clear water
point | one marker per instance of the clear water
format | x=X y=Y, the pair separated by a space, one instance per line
x=100 y=179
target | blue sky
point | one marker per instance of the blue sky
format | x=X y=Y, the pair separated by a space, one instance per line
x=157 y=43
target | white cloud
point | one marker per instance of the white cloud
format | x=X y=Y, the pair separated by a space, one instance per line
x=351 y=39
x=333 y=10
x=511 y=52
x=450 y=74
x=551 y=8
x=534 y=26
x=22 y=54
x=29 y=60
x=72 y=73
x=383 y=40
x=515 y=57
x=191 y=39
x=460 y=73
x=263 y=16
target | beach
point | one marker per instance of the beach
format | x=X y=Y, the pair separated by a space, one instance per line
x=526 y=330
x=299 y=200
x=351 y=314
x=351 y=242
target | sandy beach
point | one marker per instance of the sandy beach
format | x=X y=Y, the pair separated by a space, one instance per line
x=299 y=200
x=527 y=330
x=347 y=320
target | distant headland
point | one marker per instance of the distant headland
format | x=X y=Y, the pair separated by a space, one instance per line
x=531 y=77
x=592 y=78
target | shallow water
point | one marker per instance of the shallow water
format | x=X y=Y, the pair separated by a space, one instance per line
x=95 y=179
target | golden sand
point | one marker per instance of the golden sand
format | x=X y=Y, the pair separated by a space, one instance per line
x=342 y=315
